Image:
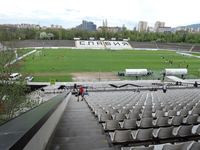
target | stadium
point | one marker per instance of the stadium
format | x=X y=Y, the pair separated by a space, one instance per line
x=139 y=95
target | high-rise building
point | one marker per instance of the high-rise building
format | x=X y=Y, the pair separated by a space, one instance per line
x=105 y=23
x=142 y=26
x=158 y=25
x=87 y=25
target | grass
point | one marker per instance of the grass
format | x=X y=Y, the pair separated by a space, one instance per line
x=51 y=64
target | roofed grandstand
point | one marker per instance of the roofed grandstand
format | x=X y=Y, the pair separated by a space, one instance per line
x=39 y=43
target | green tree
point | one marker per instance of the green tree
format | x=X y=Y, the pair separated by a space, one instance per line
x=12 y=94
x=43 y=35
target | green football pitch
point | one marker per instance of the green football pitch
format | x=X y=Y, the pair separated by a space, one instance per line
x=60 y=64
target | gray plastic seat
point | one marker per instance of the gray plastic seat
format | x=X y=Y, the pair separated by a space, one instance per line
x=146 y=123
x=178 y=108
x=105 y=117
x=119 y=116
x=112 y=125
x=159 y=113
x=138 y=108
x=198 y=105
x=133 y=115
x=183 y=112
x=125 y=110
x=168 y=108
x=176 y=120
x=142 y=148
x=181 y=146
x=161 y=122
x=129 y=124
x=164 y=133
x=189 y=107
x=122 y=136
x=112 y=111
x=198 y=130
x=183 y=131
x=196 y=111
x=146 y=114
x=172 y=113
x=99 y=111
x=191 y=119
x=195 y=146
x=143 y=134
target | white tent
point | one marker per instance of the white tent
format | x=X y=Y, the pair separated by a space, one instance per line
x=176 y=71
x=135 y=72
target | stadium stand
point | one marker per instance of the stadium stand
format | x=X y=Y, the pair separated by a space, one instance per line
x=168 y=46
x=174 y=46
x=145 y=45
x=150 y=120
x=40 y=43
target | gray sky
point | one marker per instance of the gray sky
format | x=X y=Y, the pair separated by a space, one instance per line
x=70 y=13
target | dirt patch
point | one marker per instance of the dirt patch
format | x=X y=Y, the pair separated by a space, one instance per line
x=83 y=76
x=50 y=74
x=94 y=76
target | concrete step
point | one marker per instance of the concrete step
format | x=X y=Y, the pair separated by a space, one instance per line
x=77 y=132
x=78 y=129
x=78 y=146
x=77 y=139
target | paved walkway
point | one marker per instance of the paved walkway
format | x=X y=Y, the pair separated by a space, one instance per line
x=79 y=130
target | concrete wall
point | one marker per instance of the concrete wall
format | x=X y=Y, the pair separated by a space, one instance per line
x=41 y=138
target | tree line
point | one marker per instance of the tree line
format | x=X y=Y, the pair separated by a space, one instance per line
x=13 y=33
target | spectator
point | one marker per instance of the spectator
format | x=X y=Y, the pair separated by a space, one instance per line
x=75 y=87
x=164 y=88
x=81 y=93
x=75 y=90
x=195 y=84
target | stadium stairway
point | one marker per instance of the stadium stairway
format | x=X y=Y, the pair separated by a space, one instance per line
x=78 y=130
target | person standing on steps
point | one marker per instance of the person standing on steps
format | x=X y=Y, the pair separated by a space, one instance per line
x=81 y=93
x=75 y=89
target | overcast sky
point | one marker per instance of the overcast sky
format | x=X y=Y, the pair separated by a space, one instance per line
x=70 y=13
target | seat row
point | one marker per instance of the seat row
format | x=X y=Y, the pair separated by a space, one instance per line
x=155 y=136
x=155 y=111
x=148 y=112
x=102 y=115
x=110 y=125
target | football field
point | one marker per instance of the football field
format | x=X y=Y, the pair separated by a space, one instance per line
x=61 y=64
